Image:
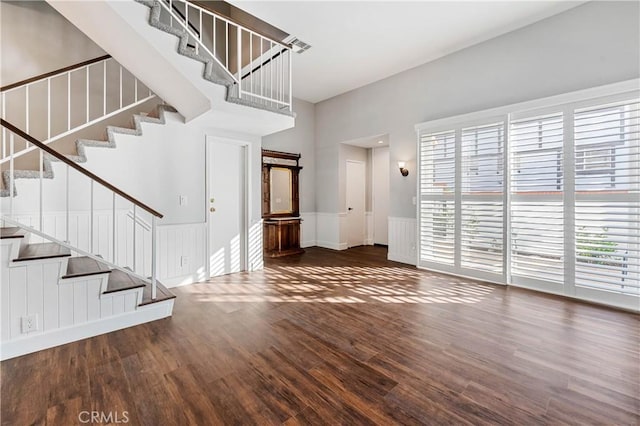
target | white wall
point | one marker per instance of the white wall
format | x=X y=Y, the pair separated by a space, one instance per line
x=593 y=44
x=30 y=25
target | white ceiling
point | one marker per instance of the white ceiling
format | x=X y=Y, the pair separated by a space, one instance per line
x=355 y=43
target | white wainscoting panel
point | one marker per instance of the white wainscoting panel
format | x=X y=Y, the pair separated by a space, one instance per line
x=343 y=226
x=181 y=254
x=368 y=239
x=402 y=240
x=256 y=257
x=330 y=227
x=35 y=289
x=308 y=235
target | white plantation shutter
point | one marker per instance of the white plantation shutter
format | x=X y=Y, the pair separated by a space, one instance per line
x=482 y=184
x=537 y=185
x=544 y=195
x=437 y=189
x=607 y=208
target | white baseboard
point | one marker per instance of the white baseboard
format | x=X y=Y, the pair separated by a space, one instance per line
x=332 y=245
x=61 y=336
x=182 y=281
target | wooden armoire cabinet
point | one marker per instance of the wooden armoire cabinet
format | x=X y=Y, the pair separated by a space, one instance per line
x=281 y=203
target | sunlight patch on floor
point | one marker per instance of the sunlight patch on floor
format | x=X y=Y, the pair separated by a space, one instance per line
x=341 y=284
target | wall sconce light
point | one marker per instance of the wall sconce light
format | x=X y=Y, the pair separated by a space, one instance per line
x=403 y=170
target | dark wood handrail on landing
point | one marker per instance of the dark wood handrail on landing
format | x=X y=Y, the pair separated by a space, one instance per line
x=206 y=6
x=52 y=73
x=76 y=166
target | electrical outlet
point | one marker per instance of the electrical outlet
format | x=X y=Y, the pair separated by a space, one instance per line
x=29 y=323
x=184 y=261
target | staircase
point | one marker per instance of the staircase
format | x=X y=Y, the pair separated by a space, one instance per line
x=250 y=81
x=246 y=69
x=50 y=297
x=96 y=272
x=52 y=291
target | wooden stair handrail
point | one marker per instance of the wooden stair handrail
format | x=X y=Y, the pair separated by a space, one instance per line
x=76 y=166
x=55 y=72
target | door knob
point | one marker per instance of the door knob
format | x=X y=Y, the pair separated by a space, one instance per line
x=350 y=209
x=212 y=209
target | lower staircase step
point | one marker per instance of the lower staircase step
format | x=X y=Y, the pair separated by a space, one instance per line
x=42 y=251
x=12 y=232
x=162 y=294
x=85 y=266
x=120 y=281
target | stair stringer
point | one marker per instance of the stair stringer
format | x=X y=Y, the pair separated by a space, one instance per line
x=212 y=70
x=81 y=144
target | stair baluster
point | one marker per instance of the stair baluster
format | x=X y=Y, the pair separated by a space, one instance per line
x=45 y=153
x=248 y=75
x=59 y=126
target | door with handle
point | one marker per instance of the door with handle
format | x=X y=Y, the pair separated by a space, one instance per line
x=226 y=207
x=355 y=197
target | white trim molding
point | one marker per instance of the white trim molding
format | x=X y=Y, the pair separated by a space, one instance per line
x=61 y=336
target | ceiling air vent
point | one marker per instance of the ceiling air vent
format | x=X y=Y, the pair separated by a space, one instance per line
x=298 y=45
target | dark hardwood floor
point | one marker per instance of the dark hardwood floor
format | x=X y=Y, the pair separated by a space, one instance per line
x=344 y=338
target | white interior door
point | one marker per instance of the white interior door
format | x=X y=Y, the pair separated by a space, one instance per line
x=381 y=196
x=226 y=204
x=355 y=194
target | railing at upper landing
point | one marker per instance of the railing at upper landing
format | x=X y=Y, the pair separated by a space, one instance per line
x=53 y=105
x=260 y=67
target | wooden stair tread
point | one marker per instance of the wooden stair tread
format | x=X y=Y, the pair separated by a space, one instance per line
x=12 y=232
x=85 y=266
x=162 y=294
x=120 y=281
x=42 y=251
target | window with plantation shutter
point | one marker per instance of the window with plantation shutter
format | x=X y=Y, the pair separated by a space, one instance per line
x=482 y=185
x=544 y=194
x=437 y=187
x=607 y=203
x=537 y=214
